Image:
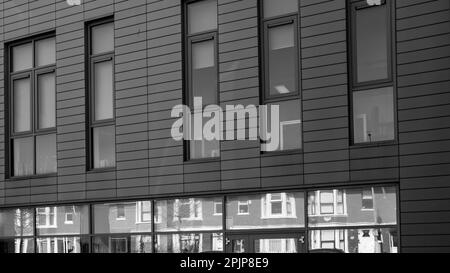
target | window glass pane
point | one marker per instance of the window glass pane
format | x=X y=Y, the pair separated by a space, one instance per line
x=46 y=154
x=104 y=147
x=45 y=52
x=279 y=7
x=16 y=222
x=282 y=60
x=119 y=218
x=122 y=244
x=204 y=149
x=103 y=90
x=384 y=210
x=262 y=213
x=290 y=131
x=276 y=245
x=202 y=16
x=372 y=43
x=370 y=240
x=23 y=156
x=46 y=100
x=22 y=105
x=17 y=245
x=373 y=115
x=22 y=57
x=52 y=220
x=189 y=243
x=62 y=245
x=188 y=215
x=204 y=72
x=102 y=38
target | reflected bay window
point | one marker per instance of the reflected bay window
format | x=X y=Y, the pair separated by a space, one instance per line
x=373 y=93
x=202 y=70
x=281 y=70
x=32 y=93
x=101 y=95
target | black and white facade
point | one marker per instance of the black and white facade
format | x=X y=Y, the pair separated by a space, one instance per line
x=88 y=162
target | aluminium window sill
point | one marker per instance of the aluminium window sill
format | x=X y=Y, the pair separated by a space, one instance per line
x=36 y=176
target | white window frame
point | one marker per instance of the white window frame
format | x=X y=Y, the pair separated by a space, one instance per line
x=243 y=203
x=157 y=217
x=266 y=206
x=139 y=206
x=117 y=213
x=48 y=215
x=66 y=221
x=372 y=197
x=215 y=204
x=193 y=203
x=317 y=203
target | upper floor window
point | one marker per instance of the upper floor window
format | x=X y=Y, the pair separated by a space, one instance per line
x=201 y=68
x=278 y=205
x=281 y=68
x=101 y=94
x=46 y=217
x=188 y=209
x=217 y=208
x=327 y=202
x=32 y=93
x=143 y=211
x=372 y=72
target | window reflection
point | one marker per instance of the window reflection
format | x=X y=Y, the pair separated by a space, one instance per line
x=128 y=217
x=17 y=245
x=189 y=243
x=271 y=210
x=276 y=245
x=16 y=222
x=373 y=115
x=188 y=214
x=352 y=207
x=122 y=244
x=63 y=220
x=370 y=240
x=62 y=245
x=290 y=130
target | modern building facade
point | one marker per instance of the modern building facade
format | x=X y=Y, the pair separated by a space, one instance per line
x=88 y=162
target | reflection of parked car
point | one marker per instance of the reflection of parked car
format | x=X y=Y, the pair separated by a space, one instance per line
x=326 y=250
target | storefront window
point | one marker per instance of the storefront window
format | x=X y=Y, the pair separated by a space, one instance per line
x=126 y=217
x=189 y=243
x=190 y=214
x=363 y=240
x=352 y=207
x=262 y=211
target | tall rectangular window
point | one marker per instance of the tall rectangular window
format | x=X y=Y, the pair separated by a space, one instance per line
x=32 y=94
x=202 y=73
x=373 y=93
x=281 y=66
x=101 y=95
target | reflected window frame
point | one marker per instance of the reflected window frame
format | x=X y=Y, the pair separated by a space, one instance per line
x=284 y=200
x=188 y=41
x=50 y=215
x=92 y=60
x=388 y=82
x=32 y=73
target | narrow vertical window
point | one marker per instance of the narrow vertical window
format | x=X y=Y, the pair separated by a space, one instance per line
x=281 y=62
x=32 y=93
x=202 y=73
x=373 y=93
x=101 y=95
